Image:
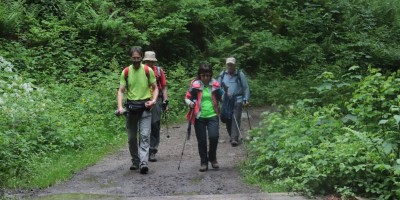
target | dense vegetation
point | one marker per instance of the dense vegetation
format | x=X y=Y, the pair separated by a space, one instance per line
x=331 y=69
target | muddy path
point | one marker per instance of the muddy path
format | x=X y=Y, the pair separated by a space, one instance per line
x=111 y=176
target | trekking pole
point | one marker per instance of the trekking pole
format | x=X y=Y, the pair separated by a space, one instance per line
x=189 y=129
x=240 y=133
x=164 y=109
x=237 y=126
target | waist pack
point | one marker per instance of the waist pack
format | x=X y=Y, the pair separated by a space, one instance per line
x=136 y=106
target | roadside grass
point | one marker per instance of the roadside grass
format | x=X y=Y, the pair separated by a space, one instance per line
x=252 y=179
x=57 y=167
x=265 y=186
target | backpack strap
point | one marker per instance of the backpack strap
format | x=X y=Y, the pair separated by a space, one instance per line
x=126 y=71
x=146 y=70
x=193 y=91
x=222 y=75
x=239 y=74
x=158 y=77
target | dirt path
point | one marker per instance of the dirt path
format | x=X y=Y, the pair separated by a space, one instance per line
x=111 y=178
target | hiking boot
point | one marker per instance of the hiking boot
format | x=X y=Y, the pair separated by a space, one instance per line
x=144 y=168
x=134 y=166
x=214 y=164
x=203 y=168
x=152 y=157
x=234 y=143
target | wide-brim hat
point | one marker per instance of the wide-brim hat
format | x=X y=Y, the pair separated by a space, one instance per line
x=231 y=60
x=149 y=56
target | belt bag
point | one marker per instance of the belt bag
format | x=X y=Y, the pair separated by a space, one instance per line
x=136 y=106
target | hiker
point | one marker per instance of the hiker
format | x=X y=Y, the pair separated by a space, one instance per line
x=237 y=93
x=202 y=98
x=137 y=82
x=161 y=104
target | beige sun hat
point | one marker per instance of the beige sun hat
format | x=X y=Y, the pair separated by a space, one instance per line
x=149 y=56
x=231 y=60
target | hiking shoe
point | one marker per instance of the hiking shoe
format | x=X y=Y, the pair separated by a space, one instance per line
x=234 y=143
x=203 y=168
x=214 y=164
x=134 y=166
x=144 y=168
x=152 y=157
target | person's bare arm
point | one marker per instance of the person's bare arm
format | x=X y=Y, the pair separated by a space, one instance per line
x=120 y=97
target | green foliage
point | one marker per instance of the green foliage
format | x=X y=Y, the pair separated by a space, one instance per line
x=66 y=57
x=64 y=117
x=37 y=121
x=321 y=145
x=11 y=18
x=178 y=84
x=375 y=102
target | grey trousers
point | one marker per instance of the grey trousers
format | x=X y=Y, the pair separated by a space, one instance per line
x=139 y=123
x=231 y=126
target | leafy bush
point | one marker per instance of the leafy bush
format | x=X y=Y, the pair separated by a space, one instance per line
x=316 y=147
x=66 y=57
x=37 y=121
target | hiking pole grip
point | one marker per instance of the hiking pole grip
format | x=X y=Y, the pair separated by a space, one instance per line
x=189 y=128
x=166 y=122
x=118 y=114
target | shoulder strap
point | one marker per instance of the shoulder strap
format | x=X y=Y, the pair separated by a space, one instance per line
x=239 y=74
x=240 y=80
x=222 y=75
x=126 y=71
x=158 y=77
x=193 y=91
x=146 y=70
x=158 y=71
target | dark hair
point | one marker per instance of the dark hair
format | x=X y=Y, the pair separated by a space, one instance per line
x=204 y=68
x=137 y=49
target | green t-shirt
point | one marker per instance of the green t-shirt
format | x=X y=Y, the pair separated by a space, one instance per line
x=138 y=88
x=207 y=108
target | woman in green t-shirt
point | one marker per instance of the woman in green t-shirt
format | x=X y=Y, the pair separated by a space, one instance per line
x=203 y=98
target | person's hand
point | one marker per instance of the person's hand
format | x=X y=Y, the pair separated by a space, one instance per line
x=149 y=104
x=165 y=105
x=120 y=110
x=192 y=104
x=225 y=88
x=245 y=103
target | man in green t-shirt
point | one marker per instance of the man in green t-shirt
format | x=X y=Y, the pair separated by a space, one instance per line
x=140 y=88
